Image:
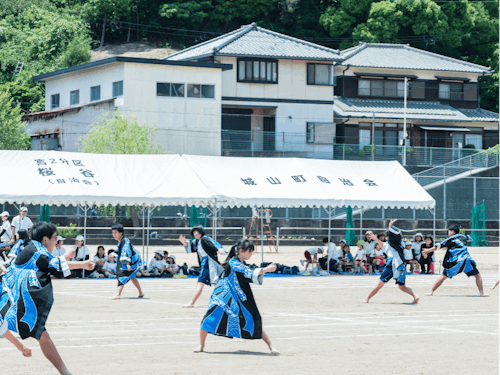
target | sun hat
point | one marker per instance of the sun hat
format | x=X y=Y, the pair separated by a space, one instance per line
x=360 y=243
x=60 y=238
x=23 y=209
x=5 y=213
x=408 y=243
x=159 y=252
x=343 y=240
x=172 y=256
x=79 y=238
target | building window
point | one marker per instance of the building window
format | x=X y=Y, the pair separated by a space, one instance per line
x=310 y=132
x=451 y=91
x=257 y=71
x=320 y=132
x=381 y=88
x=320 y=74
x=170 y=89
x=201 y=91
x=74 y=97
x=117 y=89
x=95 y=93
x=54 y=101
x=474 y=139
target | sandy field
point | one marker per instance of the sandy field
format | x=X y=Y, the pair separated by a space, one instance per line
x=319 y=324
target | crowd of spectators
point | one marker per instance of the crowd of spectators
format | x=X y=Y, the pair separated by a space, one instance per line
x=369 y=256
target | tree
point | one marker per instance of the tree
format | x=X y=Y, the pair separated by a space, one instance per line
x=121 y=135
x=12 y=134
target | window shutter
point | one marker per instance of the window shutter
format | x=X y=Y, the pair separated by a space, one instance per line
x=470 y=91
x=417 y=89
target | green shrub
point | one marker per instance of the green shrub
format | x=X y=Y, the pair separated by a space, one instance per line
x=67 y=232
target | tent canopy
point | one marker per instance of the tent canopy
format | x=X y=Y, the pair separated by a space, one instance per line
x=53 y=177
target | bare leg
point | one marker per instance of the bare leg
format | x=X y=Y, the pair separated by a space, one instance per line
x=437 y=284
x=307 y=264
x=119 y=294
x=374 y=291
x=197 y=294
x=138 y=286
x=479 y=283
x=18 y=344
x=494 y=286
x=203 y=337
x=267 y=340
x=50 y=352
x=410 y=292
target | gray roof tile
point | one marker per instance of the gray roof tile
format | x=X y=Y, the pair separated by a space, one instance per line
x=402 y=56
x=479 y=114
x=251 y=40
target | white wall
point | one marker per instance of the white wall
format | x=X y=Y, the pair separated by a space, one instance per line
x=421 y=74
x=83 y=80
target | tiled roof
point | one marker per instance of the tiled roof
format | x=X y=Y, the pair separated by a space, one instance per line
x=393 y=109
x=402 y=56
x=479 y=114
x=251 y=40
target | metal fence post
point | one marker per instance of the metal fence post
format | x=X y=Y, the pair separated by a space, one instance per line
x=244 y=232
x=474 y=191
x=444 y=199
x=277 y=238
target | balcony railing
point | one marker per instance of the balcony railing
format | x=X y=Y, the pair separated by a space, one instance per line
x=287 y=144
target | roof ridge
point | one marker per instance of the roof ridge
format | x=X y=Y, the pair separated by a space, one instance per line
x=246 y=30
x=297 y=40
x=204 y=43
x=398 y=101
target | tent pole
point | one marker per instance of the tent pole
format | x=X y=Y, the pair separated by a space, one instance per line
x=329 y=239
x=147 y=235
x=214 y=221
x=143 y=218
x=262 y=235
x=84 y=234
x=361 y=224
x=434 y=223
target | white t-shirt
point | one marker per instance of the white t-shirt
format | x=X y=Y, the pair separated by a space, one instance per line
x=313 y=251
x=378 y=253
x=58 y=252
x=332 y=251
x=173 y=268
x=369 y=248
x=82 y=252
x=19 y=223
x=416 y=247
x=155 y=263
x=8 y=231
x=408 y=254
x=360 y=254
x=110 y=267
x=96 y=258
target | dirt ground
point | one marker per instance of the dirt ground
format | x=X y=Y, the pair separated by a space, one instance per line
x=136 y=49
x=318 y=323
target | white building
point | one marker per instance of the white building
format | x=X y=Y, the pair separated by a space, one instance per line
x=183 y=99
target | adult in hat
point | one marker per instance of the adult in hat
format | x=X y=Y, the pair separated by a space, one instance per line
x=82 y=254
x=21 y=221
x=5 y=230
x=58 y=249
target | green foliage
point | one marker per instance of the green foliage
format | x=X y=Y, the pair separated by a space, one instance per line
x=68 y=232
x=12 y=134
x=120 y=135
x=78 y=52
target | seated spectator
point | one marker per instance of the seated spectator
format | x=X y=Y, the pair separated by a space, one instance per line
x=22 y=240
x=408 y=253
x=346 y=260
x=58 y=250
x=369 y=250
x=171 y=268
x=311 y=255
x=418 y=241
x=157 y=265
x=82 y=254
x=425 y=263
x=109 y=266
x=360 y=258
x=99 y=259
x=332 y=256
x=378 y=257
x=5 y=232
x=165 y=256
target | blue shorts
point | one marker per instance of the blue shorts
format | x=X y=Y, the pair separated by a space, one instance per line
x=204 y=272
x=387 y=274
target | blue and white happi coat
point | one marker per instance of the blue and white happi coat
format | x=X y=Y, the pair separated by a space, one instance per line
x=127 y=253
x=207 y=249
x=232 y=311
x=395 y=266
x=27 y=295
x=16 y=249
x=457 y=258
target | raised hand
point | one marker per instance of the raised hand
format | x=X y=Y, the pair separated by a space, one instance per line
x=89 y=265
x=70 y=254
x=392 y=222
x=182 y=240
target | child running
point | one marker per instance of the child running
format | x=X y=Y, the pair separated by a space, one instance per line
x=456 y=260
x=129 y=261
x=395 y=266
x=232 y=311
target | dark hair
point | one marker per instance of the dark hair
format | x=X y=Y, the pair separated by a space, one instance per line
x=100 y=247
x=244 y=244
x=429 y=237
x=23 y=235
x=110 y=251
x=380 y=235
x=198 y=228
x=455 y=228
x=42 y=229
x=117 y=227
x=326 y=240
x=165 y=252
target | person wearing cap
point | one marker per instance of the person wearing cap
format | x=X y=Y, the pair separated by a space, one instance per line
x=346 y=259
x=171 y=268
x=395 y=266
x=58 y=250
x=360 y=258
x=456 y=260
x=82 y=254
x=109 y=267
x=157 y=265
x=5 y=231
x=416 y=246
x=21 y=221
x=408 y=254
x=369 y=247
